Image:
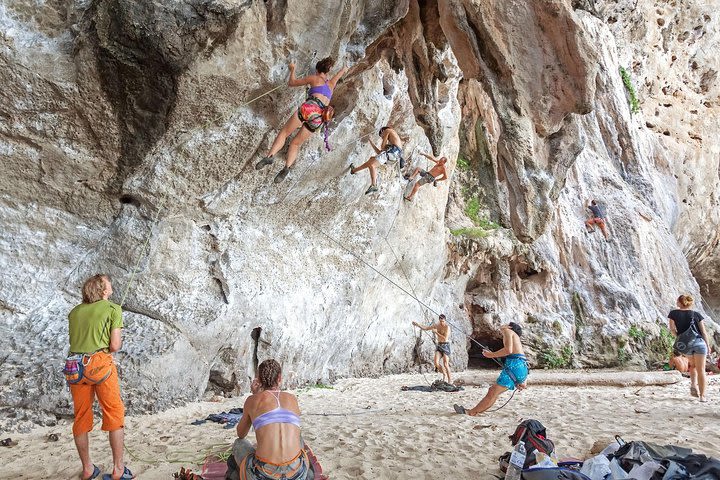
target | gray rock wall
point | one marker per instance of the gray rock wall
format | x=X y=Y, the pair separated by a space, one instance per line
x=128 y=135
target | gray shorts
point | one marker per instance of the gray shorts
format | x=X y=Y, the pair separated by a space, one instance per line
x=444 y=348
x=391 y=154
x=426 y=178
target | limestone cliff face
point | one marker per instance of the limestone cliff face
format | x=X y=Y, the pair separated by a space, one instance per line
x=129 y=131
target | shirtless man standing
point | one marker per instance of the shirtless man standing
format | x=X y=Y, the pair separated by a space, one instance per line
x=514 y=373
x=390 y=150
x=436 y=174
x=442 y=350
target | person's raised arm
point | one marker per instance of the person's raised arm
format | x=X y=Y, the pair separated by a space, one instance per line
x=333 y=81
x=296 y=82
x=377 y=150
x=429 y=327
x=243 y=426
x=385 y=139
x=432 y=159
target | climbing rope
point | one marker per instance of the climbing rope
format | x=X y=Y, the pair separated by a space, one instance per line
x=141 y=256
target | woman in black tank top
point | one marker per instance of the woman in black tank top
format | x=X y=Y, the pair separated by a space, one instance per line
x=691 y=341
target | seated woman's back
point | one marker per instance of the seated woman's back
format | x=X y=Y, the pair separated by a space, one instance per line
x=276 y=417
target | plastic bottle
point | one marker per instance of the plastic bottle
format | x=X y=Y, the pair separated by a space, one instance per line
x=517 y=461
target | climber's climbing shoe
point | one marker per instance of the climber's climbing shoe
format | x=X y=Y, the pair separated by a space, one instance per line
x=264 y=163
x=281 y=176
x=373 y=188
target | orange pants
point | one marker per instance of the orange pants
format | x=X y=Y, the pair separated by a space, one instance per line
x=108 y=394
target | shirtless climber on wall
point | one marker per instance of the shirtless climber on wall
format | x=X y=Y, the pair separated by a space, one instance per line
x=436 y=174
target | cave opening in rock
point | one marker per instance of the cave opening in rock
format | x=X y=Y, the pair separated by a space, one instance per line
x=475 y=357
x=255 y=336
x=128 y=199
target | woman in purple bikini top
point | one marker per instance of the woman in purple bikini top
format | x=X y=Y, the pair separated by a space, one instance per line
x=275 y=417
x=309 y=115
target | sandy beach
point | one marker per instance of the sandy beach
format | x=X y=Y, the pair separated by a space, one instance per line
x=369 y=428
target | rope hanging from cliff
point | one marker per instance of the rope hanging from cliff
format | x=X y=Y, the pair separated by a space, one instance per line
x=364 y=262
x=142 y=254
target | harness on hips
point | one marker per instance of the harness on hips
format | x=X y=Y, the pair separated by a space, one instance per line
x=94 y=368
x=509 y=372
x=314 y=114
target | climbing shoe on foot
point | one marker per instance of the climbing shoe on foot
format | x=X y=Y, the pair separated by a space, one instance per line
x=372 y=189
x=402 y=163
x=352 y=167
x=281 y=176
x=264 y=163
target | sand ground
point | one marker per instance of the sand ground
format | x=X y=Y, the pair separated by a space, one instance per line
x=369 y=428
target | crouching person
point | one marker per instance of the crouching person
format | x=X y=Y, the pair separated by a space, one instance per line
x=275 y=417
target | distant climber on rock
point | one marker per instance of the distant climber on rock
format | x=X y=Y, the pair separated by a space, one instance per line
x=312 y=114
x=513 y=375
x=390 y=150
x=597 y=218
x=437 y=173
x=441 y=329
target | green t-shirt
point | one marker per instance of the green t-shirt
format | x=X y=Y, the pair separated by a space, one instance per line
x=90 y=325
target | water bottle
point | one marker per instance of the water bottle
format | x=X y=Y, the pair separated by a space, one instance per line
x=517 y=461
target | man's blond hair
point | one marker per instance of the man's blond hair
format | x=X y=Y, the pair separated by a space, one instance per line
x=94 y=288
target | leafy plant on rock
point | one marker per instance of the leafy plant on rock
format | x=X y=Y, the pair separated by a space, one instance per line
x=663 y=343
x=463 y=163
x=636 y=333
x=472 y=210
x=554 y=359
x=627 y=81
x=623 y=355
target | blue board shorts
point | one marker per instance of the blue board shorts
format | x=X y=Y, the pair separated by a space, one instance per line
x=515 y=365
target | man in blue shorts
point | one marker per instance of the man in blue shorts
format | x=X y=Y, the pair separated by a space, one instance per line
x=514 y=373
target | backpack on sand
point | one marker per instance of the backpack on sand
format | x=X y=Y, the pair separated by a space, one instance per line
x=533 y=434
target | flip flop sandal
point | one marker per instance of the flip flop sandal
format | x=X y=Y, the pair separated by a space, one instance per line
x=694 y=391
x=459 y=409
x=127 y=475
x=96 y=472
x=352 y=167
